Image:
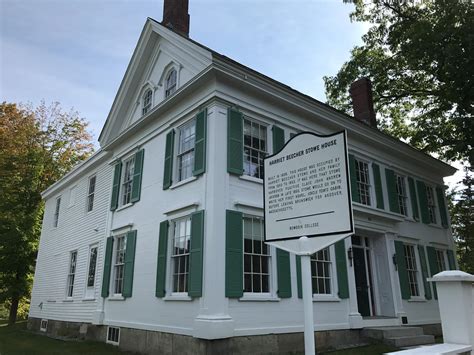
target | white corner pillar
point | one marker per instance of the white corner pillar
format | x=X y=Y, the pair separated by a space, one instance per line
x=455 y=299
x=355 y=319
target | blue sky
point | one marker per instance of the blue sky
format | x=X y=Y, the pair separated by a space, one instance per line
x=76 y=52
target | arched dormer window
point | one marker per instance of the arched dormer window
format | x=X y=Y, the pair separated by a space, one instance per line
x=147 y=98
x=170 y=83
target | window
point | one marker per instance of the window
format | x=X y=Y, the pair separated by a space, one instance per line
x=56 y=212
x=91 y=193
x=363 y=181
x=180 y=254
x=128 y=171
x=44 y=325
x=401 y=194
x=255 y=148
x=412 y=270
x=113 y=335
x=71 y=274
x=431 y=204
x=187 y=137
x=321 y=272
x=170 y=83
x=92 y=266
x=119 y=263
x=256 y=257
x=147 y=98
x=440 y=260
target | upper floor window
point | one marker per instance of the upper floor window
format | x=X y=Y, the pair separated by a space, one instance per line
x=431 y=204
x=363 y=181
x=72 y=273
x=401 y=194
x=170 y=83
x=412 y=270
x=147 y=101
x=56 y=212
x=255 y=147
x=129 y=167
x=91 y=193
x=180 y=254
x=321 y=272
x=119 y=263
x=187 y=138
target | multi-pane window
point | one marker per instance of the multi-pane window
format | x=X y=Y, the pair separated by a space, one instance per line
x=431 y=204
x=119 y=263
x=170 y=84
x=255 y=148
x=56 y=212
x=321 y=272
x=92 y=267
x=256 y=257
x=363 y=181
x=180 y=254
x=147 y=98
x=72 y=273
x=187 y=138
x=412 y=270
x=91 y=193
x=401 y=194
x=440 y=260
x=129 y=167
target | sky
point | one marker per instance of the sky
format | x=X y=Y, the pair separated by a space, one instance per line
x=76 y=51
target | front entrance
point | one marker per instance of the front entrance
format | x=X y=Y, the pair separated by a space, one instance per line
x=363 y=275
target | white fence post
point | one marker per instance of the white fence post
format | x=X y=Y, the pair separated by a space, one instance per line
x=456 y=298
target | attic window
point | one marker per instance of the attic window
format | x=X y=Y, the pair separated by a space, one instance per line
x=147 y=96
x=170 y=84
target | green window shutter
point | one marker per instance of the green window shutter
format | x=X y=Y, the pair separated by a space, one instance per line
x=299 y=281
x=235 y=144
x=283 y=273
x=233 y=255
x=341 y=266
x=352 y=169
x=434 y=269
x=168 y=169
x=402 y=270
x=442 y=206
x=195 y=258
x=424 y=271
x=116 y=186
x=107 y=266
x=392 y=191
x=378 y=186
x=137 y=176
x=423 y=200
x=129 y=264
x=278 y=137
x=414 y=200
x=451 y=260
x=200 y=143
x=161 y=264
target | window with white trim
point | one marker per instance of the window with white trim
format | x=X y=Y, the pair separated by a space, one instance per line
x=431 y=204
x=91 y=193
x=412 y=270
x=92 y=266
x=181 y=242
x=171 y=82
x=363 y=181
x=56 y=212
x=255 y=147
x=185 y=156
x=257 y=256
x=119 y=263
x=147 y=101
x=127 y=179
x=401 y=194
x=440 y=260
x=71 y=274
x=321 y=272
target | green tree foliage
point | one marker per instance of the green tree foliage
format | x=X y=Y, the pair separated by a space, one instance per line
x=420 y=58
x=36 y=148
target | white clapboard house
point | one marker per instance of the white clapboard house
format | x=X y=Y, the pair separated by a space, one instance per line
x=155 y=242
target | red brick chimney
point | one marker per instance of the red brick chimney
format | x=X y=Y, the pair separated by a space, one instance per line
x=175 y=16
x=361 y=93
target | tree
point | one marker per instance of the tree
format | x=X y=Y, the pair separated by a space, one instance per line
x=36 y=148
x=420 y=58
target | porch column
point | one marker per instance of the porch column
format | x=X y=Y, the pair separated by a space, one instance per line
x=355 y=319
x=396 y=292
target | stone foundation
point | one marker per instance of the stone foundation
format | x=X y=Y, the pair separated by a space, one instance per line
x=153 y=342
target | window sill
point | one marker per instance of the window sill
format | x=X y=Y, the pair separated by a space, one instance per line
x=177 y=297
x=116 y=298
x=326 y=298
x=124 y=207
x=266 y=297
x=88 y=299
x=417 y=299
x=183 y=182
x=51 y=301
x=251 y=179
x=68 y=300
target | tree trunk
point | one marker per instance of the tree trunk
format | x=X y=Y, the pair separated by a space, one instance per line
x=13 y=310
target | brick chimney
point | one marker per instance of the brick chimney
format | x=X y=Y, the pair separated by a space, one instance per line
x=175 y=16
x=361 y=94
